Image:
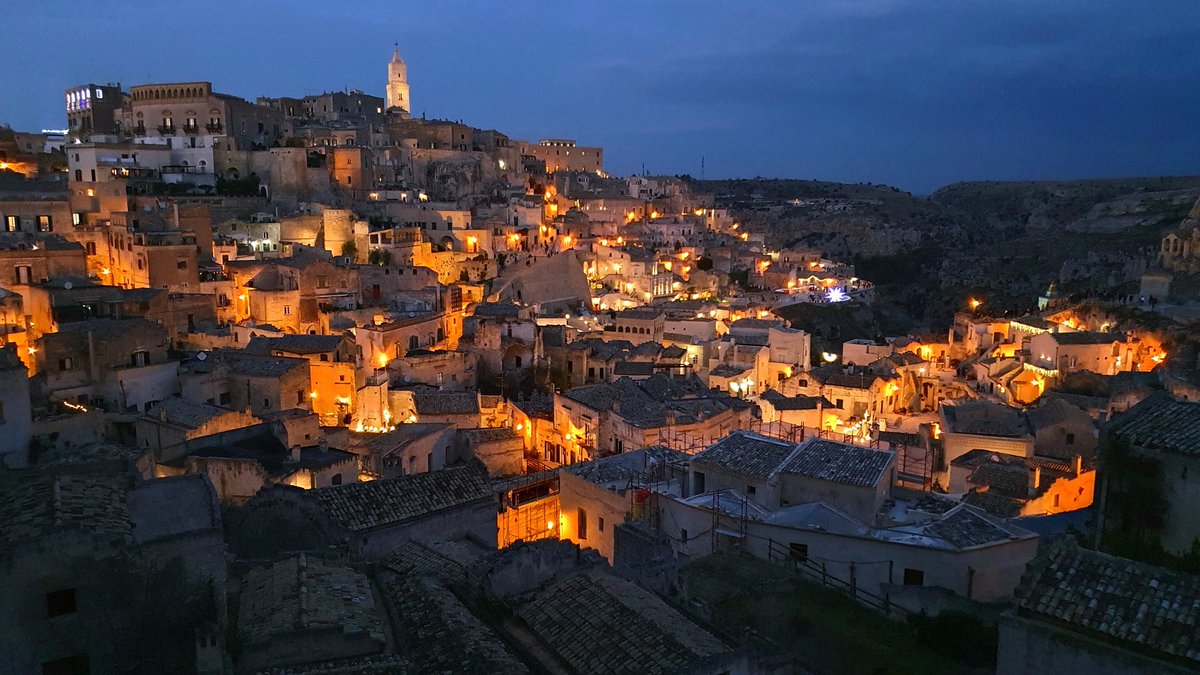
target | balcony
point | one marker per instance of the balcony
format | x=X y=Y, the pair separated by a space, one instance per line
x=139 y=130
x=191 y=128
x=166 y=129
x=214 y=127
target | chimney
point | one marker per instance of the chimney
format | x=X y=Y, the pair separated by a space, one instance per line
x=1077 y=464
x=1035 y=480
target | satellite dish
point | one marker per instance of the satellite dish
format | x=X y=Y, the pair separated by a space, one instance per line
x=68 y=285
x=201 y=356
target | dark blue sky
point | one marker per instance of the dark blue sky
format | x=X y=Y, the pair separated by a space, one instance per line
x=914 y=93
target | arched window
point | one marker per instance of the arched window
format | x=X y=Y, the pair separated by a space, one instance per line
x=413 y=342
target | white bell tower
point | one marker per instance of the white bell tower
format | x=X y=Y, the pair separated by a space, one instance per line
x=397 y=83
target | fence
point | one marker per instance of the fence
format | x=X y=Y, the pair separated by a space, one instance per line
x=778 y=553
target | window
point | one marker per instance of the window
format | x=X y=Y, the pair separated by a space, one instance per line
x=266 y=403
x=23 y=274
x=683 y=534
x=139 y=358
x=182 y=264
x=65 y=364
x=1070 y=439
x=226 y=398
x=1056 y=501
x=287 y=310
x=698 y=482
x=322 y=282
x=299 y=397
x=914 y=577
x=336 y=480
x=12 y=223
x=750 y=491
x=582 y=527
x=60 y=602
x=324 y=357
x=798 y=551
x=600 y=524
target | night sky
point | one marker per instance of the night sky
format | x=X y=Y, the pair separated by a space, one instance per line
x=913 y=93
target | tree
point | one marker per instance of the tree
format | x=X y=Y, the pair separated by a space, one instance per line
x=350 y=249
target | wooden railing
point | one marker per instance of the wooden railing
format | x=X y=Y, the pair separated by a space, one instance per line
x=780 y=553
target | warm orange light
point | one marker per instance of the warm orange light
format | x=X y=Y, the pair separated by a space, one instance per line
x=745 y=237
x=313 y=395
x=654 y=214
x=382 y=360
x=975 y=303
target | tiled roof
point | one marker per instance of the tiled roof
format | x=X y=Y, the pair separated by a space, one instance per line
x=302 y=594
x=834 y=376
x=1161 y=423
x=641 y=634
x=254 y=365
x=839 y=462
x=964 y=528
x=440 y=635
x=1056 y=411
x=781 y=402
x=746 y=453
x=1087 y=338
x=446 y=402
x=640 y=466
x=1114 y=599
x=995 y=503
x=295 y=344
x=35 y=506
x=640 y=314
x=984 y=418
x=390 y=501
x=187 y=414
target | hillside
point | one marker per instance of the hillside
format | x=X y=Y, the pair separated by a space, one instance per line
x=1071 y=204
x=1001 y=241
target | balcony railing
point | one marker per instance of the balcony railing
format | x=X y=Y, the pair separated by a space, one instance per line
x=191 y=128
x=139 y=130
x=166 y=128
x=214 y=127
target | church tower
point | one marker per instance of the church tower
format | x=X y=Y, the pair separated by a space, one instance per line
x=397 y=83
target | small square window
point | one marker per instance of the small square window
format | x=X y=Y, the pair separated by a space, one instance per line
x=914 y=577
x=60 y=602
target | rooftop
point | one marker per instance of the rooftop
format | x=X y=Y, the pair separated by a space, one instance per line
x=432 y=402
x=302 y=594
x=184 y=413
x=642 y=634
x=1114 y=599
x=746 y=453
x=33 y=506
x=984 y=418
x=390 y=501
x=1161 y=423
x=1087 y=338
x=839 y=462
x=295 y=344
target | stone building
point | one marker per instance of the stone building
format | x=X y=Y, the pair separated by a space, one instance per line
x=1081 y=611
x=118 y=365
x=89 y=562
x=1164 y=429
x=302 y=610
x=372 y=519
